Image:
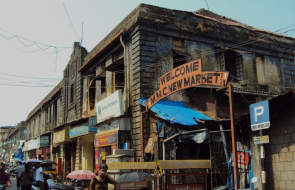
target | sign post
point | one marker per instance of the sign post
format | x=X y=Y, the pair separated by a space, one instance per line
x=259 y=116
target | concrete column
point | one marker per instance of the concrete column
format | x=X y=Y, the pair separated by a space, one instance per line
x=62 y=155
x=78 y=154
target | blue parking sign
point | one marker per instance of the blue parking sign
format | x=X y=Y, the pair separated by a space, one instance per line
x=259 y=115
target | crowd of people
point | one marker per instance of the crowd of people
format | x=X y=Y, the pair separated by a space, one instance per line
x=26 y=176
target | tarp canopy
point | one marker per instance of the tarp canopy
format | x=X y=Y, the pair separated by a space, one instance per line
x=176 y=112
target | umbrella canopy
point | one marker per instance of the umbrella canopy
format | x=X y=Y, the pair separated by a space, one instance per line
x=81 y=175
x=33 y=160
x=134 y=176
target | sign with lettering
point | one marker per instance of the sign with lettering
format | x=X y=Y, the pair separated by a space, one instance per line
x=43 y=141
x=61 y=134
x=242 y=159
x=113 y=126
x=186 y=187
x=39 y=151
x=132 y=185
x=105 y=139
x=186 y=76
x=261 y=139
x=46 y=150
x=26 y=146
x=111 y=106
x=84 y=128
x=259 y=115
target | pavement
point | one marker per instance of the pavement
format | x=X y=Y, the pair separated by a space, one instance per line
x=13 y=184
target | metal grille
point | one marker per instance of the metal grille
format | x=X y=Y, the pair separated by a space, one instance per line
x=289 y=72
x=239 y=67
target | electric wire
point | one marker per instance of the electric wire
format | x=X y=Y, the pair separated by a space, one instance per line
x=71 y=22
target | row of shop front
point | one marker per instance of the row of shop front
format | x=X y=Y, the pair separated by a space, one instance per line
x=85 y=143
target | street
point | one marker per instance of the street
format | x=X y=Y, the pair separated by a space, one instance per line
x=13 y=184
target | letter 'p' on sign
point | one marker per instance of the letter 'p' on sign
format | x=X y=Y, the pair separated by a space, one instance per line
x=259 y=115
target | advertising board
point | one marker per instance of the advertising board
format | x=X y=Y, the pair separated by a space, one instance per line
x=111 y=106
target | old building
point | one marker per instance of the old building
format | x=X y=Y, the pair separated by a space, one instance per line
x=4 y=132
x=15 y=141
x=136 y=88
x=152 y=41
x=40 y=123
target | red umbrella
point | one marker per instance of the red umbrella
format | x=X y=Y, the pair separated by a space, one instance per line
x=81 y=175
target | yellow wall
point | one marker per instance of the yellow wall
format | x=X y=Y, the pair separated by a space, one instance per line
x=87 y=156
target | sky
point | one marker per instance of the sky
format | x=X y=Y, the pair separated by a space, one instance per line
x=37 y=36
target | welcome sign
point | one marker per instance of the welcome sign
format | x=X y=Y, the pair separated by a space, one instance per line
x=186 y=76
x=111 y=106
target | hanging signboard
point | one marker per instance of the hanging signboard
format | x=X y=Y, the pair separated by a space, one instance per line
x=39 y=151
x=259 y=116
x=46 y=150
x=186 y=76
x=243 y=159
x=26 y=146
x=111 y=106
x=261 y=139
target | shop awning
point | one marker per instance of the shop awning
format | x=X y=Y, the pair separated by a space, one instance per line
x=176 y=112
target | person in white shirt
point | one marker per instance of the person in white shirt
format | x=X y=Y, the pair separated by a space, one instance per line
x=39 y=176
x=19 y=170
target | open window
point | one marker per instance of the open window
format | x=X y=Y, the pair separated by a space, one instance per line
x=72 y=93
x=92 y=96
x=180 y=54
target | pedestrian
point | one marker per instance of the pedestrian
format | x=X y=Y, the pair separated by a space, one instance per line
x=27 y=178
x=39 y=176
x=4 y=177
x=101 y=181
x=19 y=169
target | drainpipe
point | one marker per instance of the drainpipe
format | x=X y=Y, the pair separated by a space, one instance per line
x=125 y=73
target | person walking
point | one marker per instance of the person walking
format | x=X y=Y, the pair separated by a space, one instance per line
x=19 y=169
x=27 y=177
x=101 y=181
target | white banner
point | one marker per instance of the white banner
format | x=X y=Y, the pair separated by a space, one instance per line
x=111 y=106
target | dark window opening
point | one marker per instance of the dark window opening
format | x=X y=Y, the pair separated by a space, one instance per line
x=55 y=113
x=92 y=96
x=234 y=64
x=72 y=94
x=178 y=60
x=119 y=81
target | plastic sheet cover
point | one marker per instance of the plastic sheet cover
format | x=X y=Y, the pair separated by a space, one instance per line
x=176 y=112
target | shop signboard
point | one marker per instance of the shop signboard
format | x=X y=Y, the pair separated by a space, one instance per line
x=46 y=150
x=26 y=148
x=61 y=135
x=110 y=107
x=39 y=151
x=186 y=76
x=32 y=144
x=105 y=139
x=84 y=128
x=118 y=124
x=186 y=187
x=259 y=115
x=46 y=157
x=43 y=141
x=132 y=185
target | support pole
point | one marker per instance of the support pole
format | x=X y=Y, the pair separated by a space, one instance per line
x=233 y=135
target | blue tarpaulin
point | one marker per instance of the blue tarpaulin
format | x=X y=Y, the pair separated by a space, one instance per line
x=176 y=112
